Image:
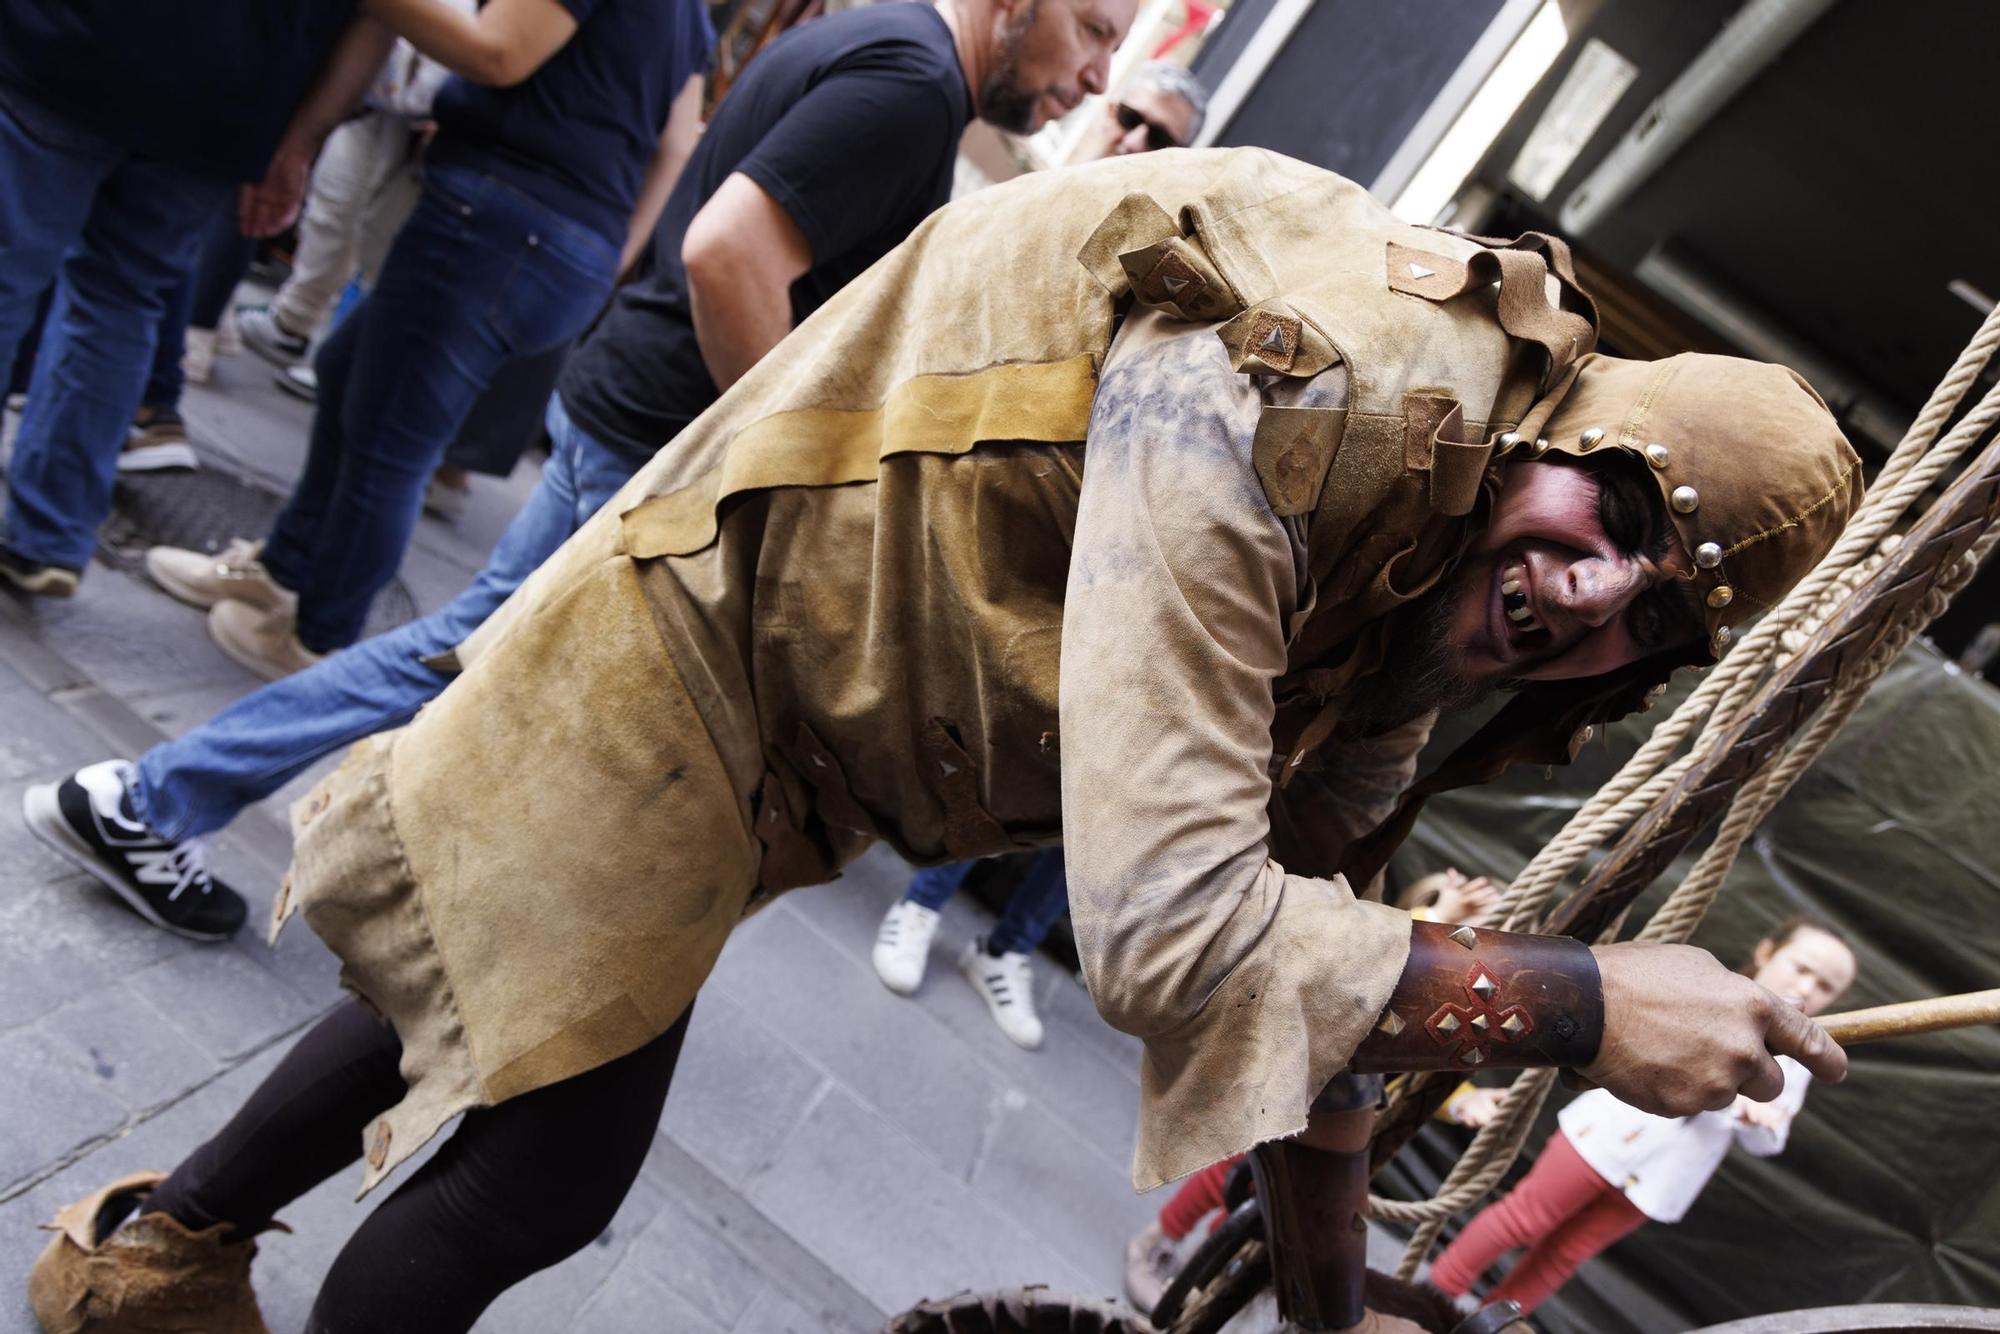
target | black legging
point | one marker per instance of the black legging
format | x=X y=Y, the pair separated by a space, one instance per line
x=517 y=1188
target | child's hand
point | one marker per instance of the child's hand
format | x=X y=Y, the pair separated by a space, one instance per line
x=1461 y=899
x=1766 y=1116
x=1475 y=1107
x=1374 y=1322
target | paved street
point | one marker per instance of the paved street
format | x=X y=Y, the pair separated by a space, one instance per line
x=830 y=1152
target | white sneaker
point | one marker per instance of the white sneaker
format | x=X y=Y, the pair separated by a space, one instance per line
x=301 y=382
x=228 y=338
x=444 y=501
x=903 y=946
x=264 y=642
x=161 y=445
x=263 y=333
x=1007 y=985
x=198 y=355
x=204 y=578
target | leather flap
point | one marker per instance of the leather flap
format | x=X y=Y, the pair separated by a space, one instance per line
x=1177 y=276
x=1293 y=449
x=1272 y=338
x=1138 y=221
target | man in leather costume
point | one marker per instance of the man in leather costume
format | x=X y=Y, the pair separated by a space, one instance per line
x=1155 y=507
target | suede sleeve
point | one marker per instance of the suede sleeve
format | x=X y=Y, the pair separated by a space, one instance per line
x=1250 y=986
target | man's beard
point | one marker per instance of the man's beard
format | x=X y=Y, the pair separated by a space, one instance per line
x=1003 y=104
x=1422 y=670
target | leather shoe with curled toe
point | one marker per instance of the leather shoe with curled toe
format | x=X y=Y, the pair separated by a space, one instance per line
x=146 y=1274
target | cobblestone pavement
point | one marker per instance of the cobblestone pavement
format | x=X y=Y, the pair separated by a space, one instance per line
x=830 y=1152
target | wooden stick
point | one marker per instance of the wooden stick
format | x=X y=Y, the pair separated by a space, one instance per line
x=1917 y=1016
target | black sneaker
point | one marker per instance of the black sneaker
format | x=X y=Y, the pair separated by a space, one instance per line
x=31 y=576
x=88 y=818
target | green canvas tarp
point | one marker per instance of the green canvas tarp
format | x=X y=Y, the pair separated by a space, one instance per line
x=1890 y=1188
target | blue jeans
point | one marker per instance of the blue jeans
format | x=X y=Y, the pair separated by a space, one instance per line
x=201 y=301
x=199 y=781
x=198 y=299
x=117 y=234
x=1040 y=898
x=479 y=275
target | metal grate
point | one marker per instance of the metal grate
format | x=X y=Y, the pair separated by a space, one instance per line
x=203 y=510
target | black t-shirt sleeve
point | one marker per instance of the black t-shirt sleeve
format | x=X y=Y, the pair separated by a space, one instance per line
x=854 y=154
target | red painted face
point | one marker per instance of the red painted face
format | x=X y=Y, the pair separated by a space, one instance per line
x=1579 y=574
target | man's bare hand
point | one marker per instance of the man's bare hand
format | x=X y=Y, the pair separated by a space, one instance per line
x=271 y=205
x=1683 y=1034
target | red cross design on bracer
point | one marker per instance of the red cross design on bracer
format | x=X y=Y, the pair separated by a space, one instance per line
x=1473 y=1029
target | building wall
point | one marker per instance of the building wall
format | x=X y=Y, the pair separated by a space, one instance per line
x=1353 y=79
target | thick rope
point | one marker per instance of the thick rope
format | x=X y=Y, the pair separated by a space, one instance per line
x=1918 y=461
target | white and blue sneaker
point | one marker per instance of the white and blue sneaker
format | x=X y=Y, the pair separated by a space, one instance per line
x=88 y=818
x=903 y=946
x=1006 y=982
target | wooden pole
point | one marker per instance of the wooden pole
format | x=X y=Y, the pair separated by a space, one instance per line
x=1917 y=1016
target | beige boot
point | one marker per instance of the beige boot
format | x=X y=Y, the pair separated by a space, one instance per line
x=149 y=1275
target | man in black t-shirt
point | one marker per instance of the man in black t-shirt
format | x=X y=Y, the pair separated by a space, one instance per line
x=838 y=140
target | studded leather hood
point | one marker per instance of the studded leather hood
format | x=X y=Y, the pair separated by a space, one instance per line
x=1755 y=474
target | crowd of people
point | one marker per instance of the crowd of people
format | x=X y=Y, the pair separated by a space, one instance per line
x=829 y=605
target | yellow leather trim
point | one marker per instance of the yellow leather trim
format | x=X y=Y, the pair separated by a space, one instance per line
x=930 y=414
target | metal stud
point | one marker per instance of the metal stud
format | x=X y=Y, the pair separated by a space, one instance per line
x=1656 y=455
x=1448 y=1024
x=1722 y=637
x=1359 y=1224
x=1479 y=1023
x=1590 y=440
x=1506 y=441
x=1482 y=985
x=1539 y=448
x=1581 y=737
x=1512 y=1026
x=1274 y=341
x=1390 y=1024
x=1708 y=555
x=1685 y=499
x=1174 y=286
x=1721 y=595
x=1465 y=936
x=1472 y=1056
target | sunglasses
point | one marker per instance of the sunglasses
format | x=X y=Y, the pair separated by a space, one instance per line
x=1158 y=136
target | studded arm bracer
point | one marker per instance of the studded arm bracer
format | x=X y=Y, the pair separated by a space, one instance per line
x=1468 y=999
